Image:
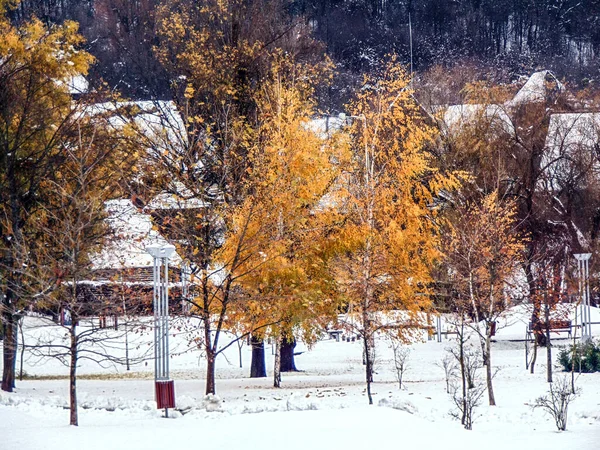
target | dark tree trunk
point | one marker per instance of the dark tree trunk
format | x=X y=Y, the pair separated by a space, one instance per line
x=210 y=353
x=534 y=357
x=258 y=368
x=73 y=375
x=277 y=364
x=368 y=368
x=10 y=352
x=548 y=345
x=210 y=373
x=536 y=323
x=287 y=355
x=21 y=323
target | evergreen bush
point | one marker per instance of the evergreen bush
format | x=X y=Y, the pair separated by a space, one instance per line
x=587 y=357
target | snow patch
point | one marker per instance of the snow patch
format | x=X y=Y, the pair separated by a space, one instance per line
x=399 y=404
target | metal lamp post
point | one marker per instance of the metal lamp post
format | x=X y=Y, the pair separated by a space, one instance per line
x=583 y=274
x=164 y=387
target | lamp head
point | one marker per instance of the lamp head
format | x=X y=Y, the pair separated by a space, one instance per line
x=161 y=251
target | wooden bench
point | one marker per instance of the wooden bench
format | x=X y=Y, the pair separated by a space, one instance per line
x=556 y=326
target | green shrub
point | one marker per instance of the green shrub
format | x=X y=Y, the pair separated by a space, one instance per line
x=587 y=356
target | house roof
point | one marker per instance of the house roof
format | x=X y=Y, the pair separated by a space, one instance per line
x=158 y=122
x=78 y=85
x=571 y=131
x=178 y=197
x=131 y=233
x=325 y=126
x=537 y=88
x=457 y=116
x=569 y=134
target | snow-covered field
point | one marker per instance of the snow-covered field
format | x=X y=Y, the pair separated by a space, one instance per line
x=322 y=407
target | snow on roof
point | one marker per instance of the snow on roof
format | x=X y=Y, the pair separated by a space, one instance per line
x=179 y=197
x=457 y=116
x=573 y=131
x=168 y=200
x=132 y=232
x=568 y=134
x=161 y=122
x=536 y=88
x=324 y=126
x=78 y=85
x=158 y=122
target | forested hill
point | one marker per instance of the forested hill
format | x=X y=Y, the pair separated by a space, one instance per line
x=517 y=35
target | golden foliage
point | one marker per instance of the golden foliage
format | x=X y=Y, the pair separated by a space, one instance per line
x=389 y=243
x=278 y=232
x=36 y=62
x=484 y=251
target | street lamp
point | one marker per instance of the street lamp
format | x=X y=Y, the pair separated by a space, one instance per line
x=583 y=274
x=164 y=387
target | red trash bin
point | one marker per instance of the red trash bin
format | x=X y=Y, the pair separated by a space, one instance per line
x=165 y=394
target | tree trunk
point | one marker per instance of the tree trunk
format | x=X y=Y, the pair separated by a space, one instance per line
x=210 y=372
x=277 y=365
x=534 y=357
x=573 y=355
x=536 y=323
x=368 y=367
x=73 y=375
x=210 y=350
x=240 y=343
x=548 y=345
x=287 y=355
x=488 y=369
x=258 y=367
x=463 y=371
x=10 y=351
x=21 y=322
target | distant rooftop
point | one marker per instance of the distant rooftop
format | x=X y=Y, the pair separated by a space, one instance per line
x=131 y=233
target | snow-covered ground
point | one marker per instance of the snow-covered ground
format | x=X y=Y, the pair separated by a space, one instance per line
x=322 y=407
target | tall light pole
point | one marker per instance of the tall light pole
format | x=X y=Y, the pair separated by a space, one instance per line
x=164 y=387
x=583 y=274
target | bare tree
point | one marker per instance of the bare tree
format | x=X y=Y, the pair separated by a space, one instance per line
x=450 y=367
x=468 y=389
x=401 y=356
x=72 y=225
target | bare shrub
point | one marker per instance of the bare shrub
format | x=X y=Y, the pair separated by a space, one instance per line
x=450 y=367
x=556 y=401
x=466 y=389
x=467 y=402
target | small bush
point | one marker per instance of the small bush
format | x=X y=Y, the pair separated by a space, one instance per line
x=401 y=356
x=587 y=357
x=556 y=402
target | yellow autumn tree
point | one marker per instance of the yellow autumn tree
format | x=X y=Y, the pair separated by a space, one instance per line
x=389 y=243
x=290 y=212
x=484 y=252
x=36 y=64
x=219 y=55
